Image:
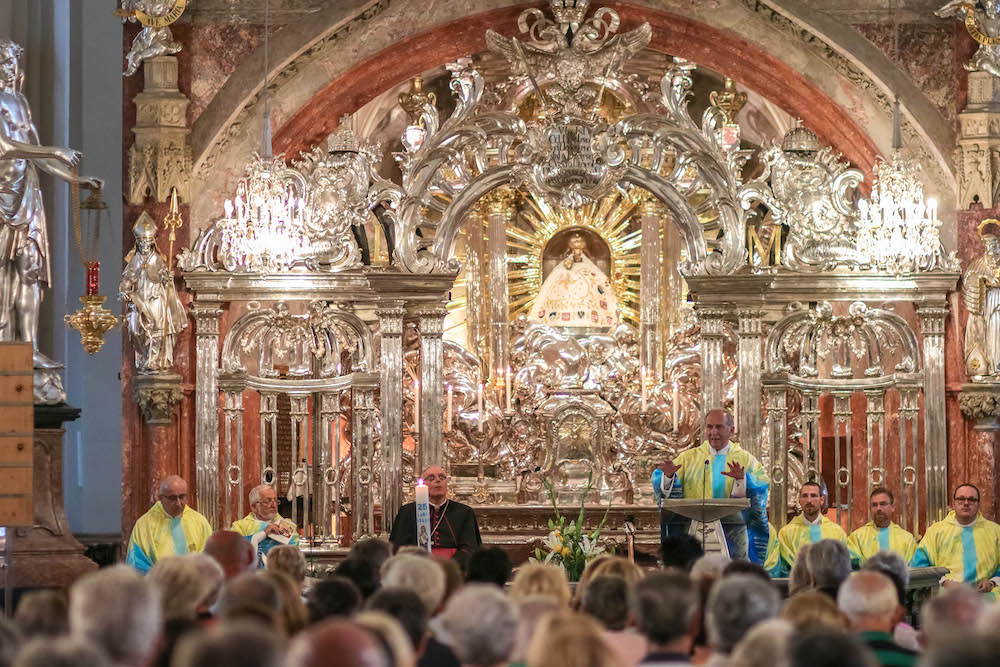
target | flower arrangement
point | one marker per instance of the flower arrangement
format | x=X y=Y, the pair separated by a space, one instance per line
x=567 y=544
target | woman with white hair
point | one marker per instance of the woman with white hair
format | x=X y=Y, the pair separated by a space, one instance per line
x=480 y=625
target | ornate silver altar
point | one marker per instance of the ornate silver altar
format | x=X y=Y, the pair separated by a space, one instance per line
x=377 y=384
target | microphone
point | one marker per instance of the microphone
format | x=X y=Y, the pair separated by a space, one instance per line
x=704 y=494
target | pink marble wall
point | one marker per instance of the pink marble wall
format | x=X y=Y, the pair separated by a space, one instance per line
x=922 y=49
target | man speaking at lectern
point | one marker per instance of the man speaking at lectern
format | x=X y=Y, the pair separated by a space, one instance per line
x=719 y=468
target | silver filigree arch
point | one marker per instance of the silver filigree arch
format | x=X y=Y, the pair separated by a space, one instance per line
x=477 y=150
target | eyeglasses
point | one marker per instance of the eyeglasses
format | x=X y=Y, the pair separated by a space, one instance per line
x=267 y=501
x=175 y=498
x=962 y=499
x=434 y=478
x=884 y=503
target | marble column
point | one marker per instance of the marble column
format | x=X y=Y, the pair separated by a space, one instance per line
x=650 y=287
x=750 y=360
x=430 y=450
x=362 y=454
x=932 y=321
x=391 y=392
x=499 y=214
x=206 y=397
x=713 y=368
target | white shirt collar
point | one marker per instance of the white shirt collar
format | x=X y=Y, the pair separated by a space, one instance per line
x=966 y=525
x=818 y=521
x=437 y=507
x=720 y=452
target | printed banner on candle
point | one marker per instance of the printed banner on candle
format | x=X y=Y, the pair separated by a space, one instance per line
x=423 y=505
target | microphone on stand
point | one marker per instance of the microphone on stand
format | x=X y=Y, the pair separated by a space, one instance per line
x=704 y=493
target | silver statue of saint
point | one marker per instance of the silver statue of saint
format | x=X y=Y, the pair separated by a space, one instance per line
x=150 y=42
x=981 y=292
x=154 y=314
x=24 y=245
x=986 y=22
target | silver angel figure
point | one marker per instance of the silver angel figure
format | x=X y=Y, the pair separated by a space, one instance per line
x=150 y=42
x=981 y=292
x=24 y=245
x=987 y=16
x=154 y=313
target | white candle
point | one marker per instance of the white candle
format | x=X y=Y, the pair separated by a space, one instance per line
x=479 y=405
x=416 y=406
x=736 y=404
x=507 y=386
x=676 y=406
x=643 y=384
x=447 y=421
x=423 y=508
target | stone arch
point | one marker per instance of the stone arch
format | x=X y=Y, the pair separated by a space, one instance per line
x=318 y=76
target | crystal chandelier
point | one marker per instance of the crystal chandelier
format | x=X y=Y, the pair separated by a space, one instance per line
x=264 y=227
x=899 y=230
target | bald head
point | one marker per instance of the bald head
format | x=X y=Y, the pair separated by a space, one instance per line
x=172 y=494
x=870 y=602
x=232 y=551
x=352 y=645
x=437 y=483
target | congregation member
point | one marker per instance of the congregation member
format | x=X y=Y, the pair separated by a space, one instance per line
x=234 y=645
x=881 y=533
x=119 y=612
x=336 y=641
x=953 y=612
x=479 y=623
x=871 y=604
x=607 y=600
x=665 y=607
x=232 y=552
x=718 y=468
x=169 y=528
x=965 y=542
x=263 y=526
x=735 y=605
x=829 y=565
x=808 y=527
x=454 y=529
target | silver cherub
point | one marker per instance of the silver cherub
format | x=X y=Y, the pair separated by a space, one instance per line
x=150 y=42
x=987 y=17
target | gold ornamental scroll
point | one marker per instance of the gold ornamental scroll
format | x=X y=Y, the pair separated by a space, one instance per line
x=976 y=32
x=155 y=21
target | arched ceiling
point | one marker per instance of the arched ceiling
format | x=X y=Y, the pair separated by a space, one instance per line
x=808 y=64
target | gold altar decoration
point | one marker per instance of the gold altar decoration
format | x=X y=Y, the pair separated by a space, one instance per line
x=92 y=321
x=539 y=222
x=172 y=221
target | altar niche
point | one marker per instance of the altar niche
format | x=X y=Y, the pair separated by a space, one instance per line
x=576 y=291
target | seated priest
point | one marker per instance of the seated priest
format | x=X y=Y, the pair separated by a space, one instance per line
x=719 y=468
x=965 y=542
x=454 y=529
x=169 y=528
x=808 y=527
x=264 y=527
x=881 y=533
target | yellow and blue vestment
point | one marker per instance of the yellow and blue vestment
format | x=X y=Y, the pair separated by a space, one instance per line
x=798 y=533
x=869 y=539
x=971 y=552
x=156 y=535
x=253 y=528
x=746 y=531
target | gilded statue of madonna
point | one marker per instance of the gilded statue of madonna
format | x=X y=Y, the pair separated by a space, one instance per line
x=577 y=293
